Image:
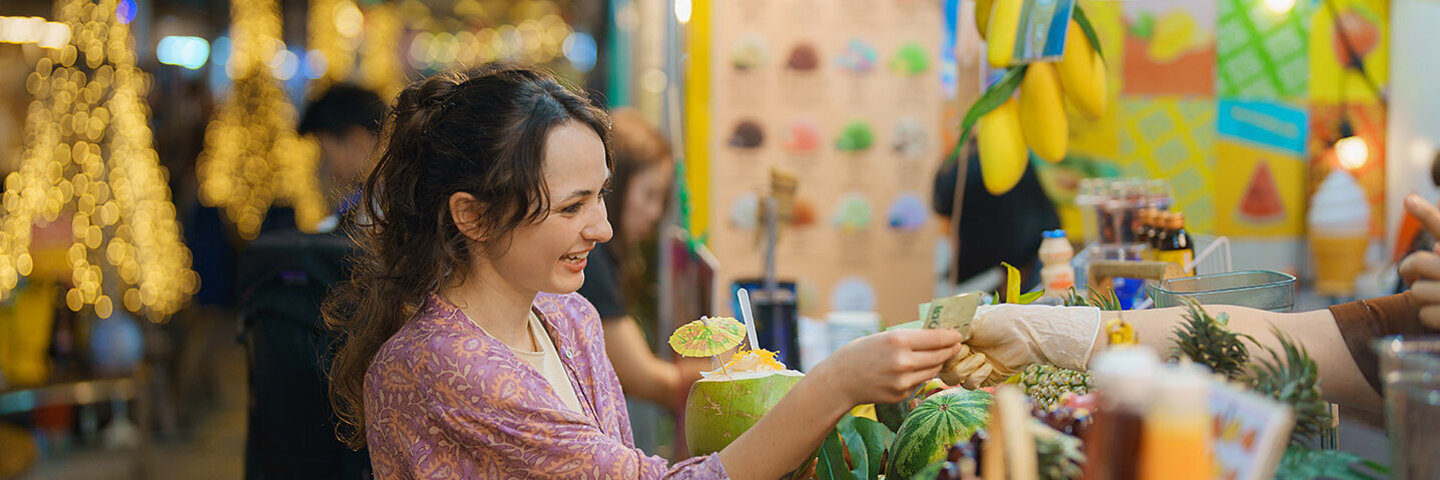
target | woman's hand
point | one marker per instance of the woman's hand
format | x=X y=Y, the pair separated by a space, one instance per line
x=885 y=367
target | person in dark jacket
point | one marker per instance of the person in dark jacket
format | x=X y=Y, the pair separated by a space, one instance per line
x=992 y=229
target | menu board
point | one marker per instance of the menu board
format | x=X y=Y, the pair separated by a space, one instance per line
x=846 y=95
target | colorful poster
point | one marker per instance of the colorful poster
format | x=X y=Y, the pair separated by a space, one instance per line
x=1263 y=191
x=1260 y=152
x=848 y=97
x=1269 y=124
x=1366 y=122
x=1169 y=48
x=1366 y=26
x=1263 y=54
x=1173 y=138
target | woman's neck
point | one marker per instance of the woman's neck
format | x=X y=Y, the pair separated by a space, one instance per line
x=499 y=308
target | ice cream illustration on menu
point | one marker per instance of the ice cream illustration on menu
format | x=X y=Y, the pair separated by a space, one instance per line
x=1339 y=222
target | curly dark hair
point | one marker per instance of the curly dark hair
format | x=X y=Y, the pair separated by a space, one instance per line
x=480 y=131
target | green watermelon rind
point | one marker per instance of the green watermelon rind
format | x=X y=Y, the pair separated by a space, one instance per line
x=940 y=421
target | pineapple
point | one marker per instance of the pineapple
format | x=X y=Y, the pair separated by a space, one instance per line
x=1295 y=381
x=1206 y=340
x=1046 y=384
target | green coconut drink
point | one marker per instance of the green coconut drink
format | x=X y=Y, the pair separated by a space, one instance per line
x=729 y=400
x=723 y=406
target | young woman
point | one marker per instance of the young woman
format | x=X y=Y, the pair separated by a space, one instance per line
x=468 y=356
x=641 y=183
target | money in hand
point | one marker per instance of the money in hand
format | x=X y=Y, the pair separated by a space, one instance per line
x=953 y=312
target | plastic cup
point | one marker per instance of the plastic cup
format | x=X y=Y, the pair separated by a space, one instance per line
x=1410 y=371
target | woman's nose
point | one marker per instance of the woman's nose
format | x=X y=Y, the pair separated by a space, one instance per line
x=599 y=230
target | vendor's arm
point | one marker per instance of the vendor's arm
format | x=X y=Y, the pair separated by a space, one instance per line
x=1341 y=380
x=641 y=373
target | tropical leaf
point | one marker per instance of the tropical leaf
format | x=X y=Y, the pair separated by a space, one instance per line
x=992 y=98
x=1300 y=463
x=864 y=440
x=1085 y=26
x=831 y=463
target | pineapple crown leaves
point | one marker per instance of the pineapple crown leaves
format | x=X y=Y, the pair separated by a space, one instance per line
x=1293 y=380
x=1104 y=300
x=1207 y=340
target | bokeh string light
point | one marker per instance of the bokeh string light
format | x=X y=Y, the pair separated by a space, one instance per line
x=380 y=67
x=527 y=31
x=333 y=34
x=89 y=161
x=253 y=158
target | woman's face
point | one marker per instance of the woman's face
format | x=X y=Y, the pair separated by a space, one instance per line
x=549 y=255
x=645 y=201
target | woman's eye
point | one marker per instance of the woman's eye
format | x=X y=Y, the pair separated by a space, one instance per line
x=572 y=208
x=605 y=192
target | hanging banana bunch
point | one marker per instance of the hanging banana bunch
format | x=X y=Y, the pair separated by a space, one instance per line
x=1010 y=127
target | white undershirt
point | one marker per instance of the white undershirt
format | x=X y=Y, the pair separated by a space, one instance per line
x=547 y=361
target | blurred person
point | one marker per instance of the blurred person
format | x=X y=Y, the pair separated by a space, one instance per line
x=641 y=187
x=282 y=279
x=992 y=229
x=466 y=352
x=345 y=121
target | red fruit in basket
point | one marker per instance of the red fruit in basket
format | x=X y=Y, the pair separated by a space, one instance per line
x=1087 y=402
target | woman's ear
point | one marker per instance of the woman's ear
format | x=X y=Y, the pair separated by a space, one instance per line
x=465 y=211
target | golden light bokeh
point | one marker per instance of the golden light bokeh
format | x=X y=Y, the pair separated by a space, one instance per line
x=89 y=156
x=253 y=158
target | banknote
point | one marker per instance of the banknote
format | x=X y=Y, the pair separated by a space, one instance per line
x=953 y=312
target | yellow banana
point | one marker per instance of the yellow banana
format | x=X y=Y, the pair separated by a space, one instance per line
x=1042 y=112
x=1003 y=157
x=1082 y=73
x=1004 y=22
x=982 y=16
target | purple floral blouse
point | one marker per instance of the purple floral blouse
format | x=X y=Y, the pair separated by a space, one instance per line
x=445 y=400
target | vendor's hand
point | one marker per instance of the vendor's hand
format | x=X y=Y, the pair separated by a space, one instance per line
x=1422 y=269
x=886 y=367
x=1012 y=337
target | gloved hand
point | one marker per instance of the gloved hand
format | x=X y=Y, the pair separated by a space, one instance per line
x=1006 y=338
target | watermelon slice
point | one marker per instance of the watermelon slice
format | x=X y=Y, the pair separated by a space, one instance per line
x=1262 y=203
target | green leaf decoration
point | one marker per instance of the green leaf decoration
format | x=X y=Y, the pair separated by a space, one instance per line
x=875 y=438
x=1300 y=463
x=993 y=97
x=865 y=439
x=831 y=463
x=1030 y=298
x=1085 y=26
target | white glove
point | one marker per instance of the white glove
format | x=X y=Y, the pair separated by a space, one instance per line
x=1006 y=338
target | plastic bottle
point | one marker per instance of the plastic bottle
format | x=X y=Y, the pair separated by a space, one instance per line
x=1124 y=378
x=1175 y=438
x=1056 y=274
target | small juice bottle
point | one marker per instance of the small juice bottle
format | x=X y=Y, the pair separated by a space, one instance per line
x=1175 y=438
